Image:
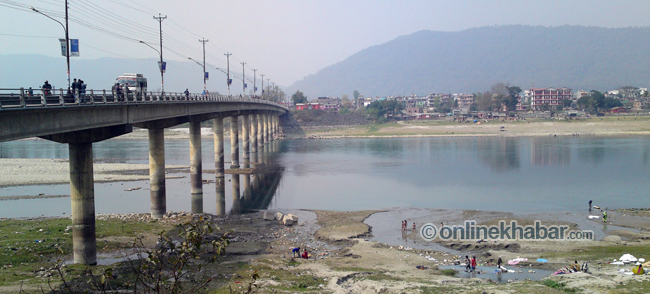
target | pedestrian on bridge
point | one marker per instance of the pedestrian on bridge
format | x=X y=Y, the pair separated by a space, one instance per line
x=82 y=90
x=187 y=94
x=47 y=88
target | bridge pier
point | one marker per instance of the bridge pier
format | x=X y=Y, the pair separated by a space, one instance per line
x=253 y=135
x=157 y=172
x=220 y=181
x=246 y=154
x=236 y=201
x=196 y=167
x=253 y=143
x=260 y=130
x=266 y=128
x=82 y=194
x=234 y=141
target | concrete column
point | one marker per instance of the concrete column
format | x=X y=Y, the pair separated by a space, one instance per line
x=157 y=172
x=245 y=128
x=196 y=167
x=234 y=141
x=236 y=202
x=260 y=130
x=255 y=177
x=253 y=137
x=220 y=180
x=82 y=194
x=266 y=128
x=246 y=154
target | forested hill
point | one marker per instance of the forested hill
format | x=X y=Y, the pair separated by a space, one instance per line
x=472 y=60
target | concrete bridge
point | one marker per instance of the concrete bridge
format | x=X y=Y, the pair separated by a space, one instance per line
x=80 y=120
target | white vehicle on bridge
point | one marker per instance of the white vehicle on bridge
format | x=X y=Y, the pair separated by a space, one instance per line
x=135 y=83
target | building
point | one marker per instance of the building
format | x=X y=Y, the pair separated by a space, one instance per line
x=465 y=100
x=303 y=106
x=327 y=103
x=548 y=96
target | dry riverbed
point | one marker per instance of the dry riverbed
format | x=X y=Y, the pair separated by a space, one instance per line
x=344 y=259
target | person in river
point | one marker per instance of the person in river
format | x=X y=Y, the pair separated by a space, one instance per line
x=473 y=262
x=305 y=254
x=590 y=205
x=499 y=263
x=413 y=227
x=605 y=216
x=295 y=251
x=468 y=264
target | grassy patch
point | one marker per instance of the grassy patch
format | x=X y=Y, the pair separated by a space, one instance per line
x=448 y=272
x=289 y=280
x=28 y=245
x=558 y=286
x=634 y=287
x=602 y=252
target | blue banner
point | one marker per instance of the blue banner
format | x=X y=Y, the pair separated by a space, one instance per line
x=74 y=47
x=207 y=76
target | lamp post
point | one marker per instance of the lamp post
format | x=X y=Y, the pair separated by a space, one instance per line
x=67 y=37
x=228 y=72
x=268 y=84
x=161 y=68
x=254 y=84
x=205 y=78
x=262 y=85
x=160 y=18
x=243 y=76
x=203 y=66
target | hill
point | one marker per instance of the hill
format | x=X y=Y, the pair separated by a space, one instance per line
x=472 y=60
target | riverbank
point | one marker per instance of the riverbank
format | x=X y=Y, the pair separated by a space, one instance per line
x=607 y=126
x=345 y=259
x=31 y=171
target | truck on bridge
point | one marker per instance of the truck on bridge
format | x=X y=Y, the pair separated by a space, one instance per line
x=135 y=83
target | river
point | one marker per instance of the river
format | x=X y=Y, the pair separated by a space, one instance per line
x=510 y=174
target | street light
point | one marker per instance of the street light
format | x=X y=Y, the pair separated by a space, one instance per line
x=67 y=38
x=160 y=18
x=262 y=85
x=254 y=84
x=162 y=84
x=228 y=68
x=243 y=75
x=203 y=66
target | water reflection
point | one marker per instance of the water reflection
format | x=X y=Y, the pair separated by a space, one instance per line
x=500 y=154
x=263 y=180
x=547 y=151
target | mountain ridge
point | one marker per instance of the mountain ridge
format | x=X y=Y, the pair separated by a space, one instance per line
x=472 y=60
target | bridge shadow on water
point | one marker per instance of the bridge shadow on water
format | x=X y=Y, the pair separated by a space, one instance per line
x=260 y=181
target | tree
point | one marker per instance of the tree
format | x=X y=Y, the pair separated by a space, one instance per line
x=484 y=102
x=512 y=99
x=356 y=98
x=298 y=97
x=345 y=101
x=378 y=110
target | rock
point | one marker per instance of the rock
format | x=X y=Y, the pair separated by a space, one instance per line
x=287 y=221
x=269 y=216
x=613 y=239
x=278 y=216
x=293 y=217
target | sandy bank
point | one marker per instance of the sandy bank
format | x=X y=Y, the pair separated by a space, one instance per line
x=22 y=171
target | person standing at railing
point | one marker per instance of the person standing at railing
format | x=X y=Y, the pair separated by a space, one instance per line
x=30 y=92
x=82 y=90
x=187 y=94
x=46 y=88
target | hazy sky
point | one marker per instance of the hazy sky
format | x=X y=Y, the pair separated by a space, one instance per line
x=286 y=40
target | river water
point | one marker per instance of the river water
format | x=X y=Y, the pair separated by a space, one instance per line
x=522 y=175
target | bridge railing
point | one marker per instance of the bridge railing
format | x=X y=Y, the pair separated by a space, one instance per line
x=30 y=98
